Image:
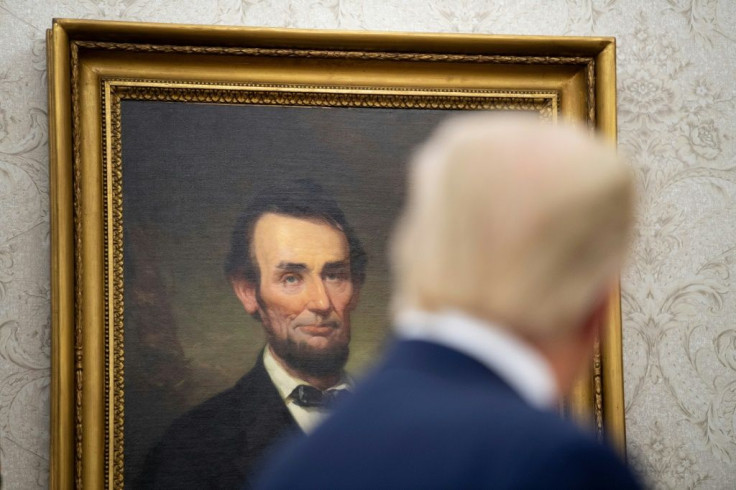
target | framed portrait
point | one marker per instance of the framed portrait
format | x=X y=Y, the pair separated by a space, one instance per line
x=163 y=139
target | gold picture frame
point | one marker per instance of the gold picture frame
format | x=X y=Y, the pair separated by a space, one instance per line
x=95 y=66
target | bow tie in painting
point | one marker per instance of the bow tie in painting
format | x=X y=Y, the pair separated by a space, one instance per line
x=309 y=396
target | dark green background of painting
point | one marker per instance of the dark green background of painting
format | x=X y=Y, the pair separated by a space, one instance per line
x=187 y=171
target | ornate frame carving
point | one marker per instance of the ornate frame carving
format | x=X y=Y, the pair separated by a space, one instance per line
x=94 y=65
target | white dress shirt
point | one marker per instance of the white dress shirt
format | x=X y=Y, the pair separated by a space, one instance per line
x=518 y=364
x=285 y=383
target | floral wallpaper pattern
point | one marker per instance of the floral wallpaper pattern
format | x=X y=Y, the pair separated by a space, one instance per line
x=676 y=67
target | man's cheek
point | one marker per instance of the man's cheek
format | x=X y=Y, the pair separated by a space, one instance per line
x=285 y=307
x=347 y=304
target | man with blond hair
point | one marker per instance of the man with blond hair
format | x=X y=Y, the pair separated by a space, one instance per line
x=506 y=253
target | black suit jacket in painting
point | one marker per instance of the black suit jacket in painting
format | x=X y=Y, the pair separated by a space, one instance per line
x=219 y=443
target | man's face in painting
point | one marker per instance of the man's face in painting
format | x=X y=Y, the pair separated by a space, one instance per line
x=305 y=293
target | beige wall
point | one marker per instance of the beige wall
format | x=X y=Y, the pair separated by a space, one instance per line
x=676 y=68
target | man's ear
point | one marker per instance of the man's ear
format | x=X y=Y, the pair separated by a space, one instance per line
x=246 y=293
x=595 y=318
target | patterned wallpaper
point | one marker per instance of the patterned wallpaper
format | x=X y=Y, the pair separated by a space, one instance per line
x=676 y=69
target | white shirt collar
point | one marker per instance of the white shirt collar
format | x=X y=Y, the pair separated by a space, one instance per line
x=286 y=383
x=306 y=417
x=522 y=367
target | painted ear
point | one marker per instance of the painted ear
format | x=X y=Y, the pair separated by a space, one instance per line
x=246 y=293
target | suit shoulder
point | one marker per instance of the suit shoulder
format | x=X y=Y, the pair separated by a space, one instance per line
x=224 y=408
x=198 y=442
x=212 y=411
x=187 y=436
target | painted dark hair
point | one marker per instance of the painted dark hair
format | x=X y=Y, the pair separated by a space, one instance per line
x=300 y=199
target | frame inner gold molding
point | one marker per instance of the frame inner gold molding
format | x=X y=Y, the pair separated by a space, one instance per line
x=545 y=103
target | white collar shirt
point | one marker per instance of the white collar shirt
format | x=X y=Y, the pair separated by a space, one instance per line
x=518 y=364
x=306 y=417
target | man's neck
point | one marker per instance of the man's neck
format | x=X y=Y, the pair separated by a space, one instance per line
x=521 y=365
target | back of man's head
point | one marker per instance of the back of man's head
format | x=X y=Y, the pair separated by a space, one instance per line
x=513 y=220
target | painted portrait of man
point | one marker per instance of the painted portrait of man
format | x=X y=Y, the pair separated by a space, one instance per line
x=256 y=273
x=295 y=265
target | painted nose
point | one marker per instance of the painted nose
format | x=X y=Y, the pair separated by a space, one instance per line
x=319 y=301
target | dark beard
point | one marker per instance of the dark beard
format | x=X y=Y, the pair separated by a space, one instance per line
x=318 y=363
x=300 y=357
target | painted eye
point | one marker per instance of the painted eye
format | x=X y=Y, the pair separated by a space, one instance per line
x=336 y=276
x=290 y=279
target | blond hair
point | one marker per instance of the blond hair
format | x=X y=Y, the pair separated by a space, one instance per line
x=513 y=220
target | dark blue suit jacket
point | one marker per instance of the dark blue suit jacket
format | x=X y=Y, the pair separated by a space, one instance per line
x=430 y=417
